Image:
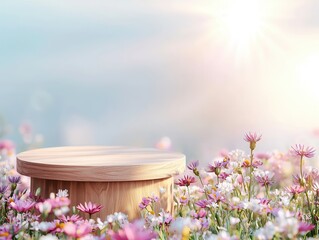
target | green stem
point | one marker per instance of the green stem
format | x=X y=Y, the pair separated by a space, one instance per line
x=301 y=163
x=200 y=179
x=250 y=174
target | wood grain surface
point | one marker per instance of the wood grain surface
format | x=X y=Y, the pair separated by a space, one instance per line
x=99 y=164
x=113 y=196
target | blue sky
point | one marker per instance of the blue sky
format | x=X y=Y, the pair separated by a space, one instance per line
x=131 y=72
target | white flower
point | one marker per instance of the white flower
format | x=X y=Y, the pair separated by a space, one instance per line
x=234 y=221
x=46 y=226
x=162 y=190
x=225 y=187
x=62 y=193
x=48 y=237
x=101 y=224
x=44 y=207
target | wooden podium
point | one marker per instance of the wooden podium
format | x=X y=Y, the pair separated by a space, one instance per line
x=115 y=177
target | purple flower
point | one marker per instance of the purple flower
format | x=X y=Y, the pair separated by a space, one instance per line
x=14 y=179
x=193 y=165
x=301 y=151
x=145 y=202
x=3 y=189
x=203 y=203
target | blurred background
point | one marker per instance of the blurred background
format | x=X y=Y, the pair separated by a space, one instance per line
x=192 y=76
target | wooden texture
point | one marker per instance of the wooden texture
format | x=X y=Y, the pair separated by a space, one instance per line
x=113 y=196
x=99 y=164
x=115 y=177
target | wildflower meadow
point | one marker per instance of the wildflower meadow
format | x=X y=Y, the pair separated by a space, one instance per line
x=239 y=195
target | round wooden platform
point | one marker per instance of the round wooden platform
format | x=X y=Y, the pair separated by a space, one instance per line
x=116 y=177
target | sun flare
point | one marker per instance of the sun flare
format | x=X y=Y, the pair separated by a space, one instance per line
x=241 y=21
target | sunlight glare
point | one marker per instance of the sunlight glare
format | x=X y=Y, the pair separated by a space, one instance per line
x=241 y=20
x=308 y=75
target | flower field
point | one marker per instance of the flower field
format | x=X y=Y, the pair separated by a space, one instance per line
x=236 y=196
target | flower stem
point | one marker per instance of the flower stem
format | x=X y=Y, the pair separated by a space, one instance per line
x=250 y=173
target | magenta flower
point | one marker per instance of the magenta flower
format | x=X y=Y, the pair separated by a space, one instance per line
x=132 y=231
x=22 y=205
x=305 y=227
x=77 y=230
x=89 y=208
x=145 y=202
x=301 y=151
x=186 y=181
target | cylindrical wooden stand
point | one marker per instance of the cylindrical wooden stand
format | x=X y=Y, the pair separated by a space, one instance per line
x=115 y=177
x=113 y=196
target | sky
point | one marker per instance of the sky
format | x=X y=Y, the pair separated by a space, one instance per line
x=131 y=72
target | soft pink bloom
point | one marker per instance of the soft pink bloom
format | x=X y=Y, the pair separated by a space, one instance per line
x=252 y=137
x=305 y=227
x=185 y=181
x=74 y=218
x=133 y=231
x=301 y=151
x=22 y=205
x=59 y=202
x=216 y=196
x=6 y=145
x=263 y=156
x=295 y=189
x=77 y=230
x=89 y=207
x=165 y=218
x=264 y=178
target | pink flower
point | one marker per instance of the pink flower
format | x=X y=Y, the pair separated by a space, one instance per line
x=264 y=178
x=22 y=205
x=252 y=137
x=133 y=231
x=6 y=145
x=74 y=218
x=77 y=230
x=295 y=189
x=186 y=181
x=305 y=227
x=89 y=208
x=301 y=151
